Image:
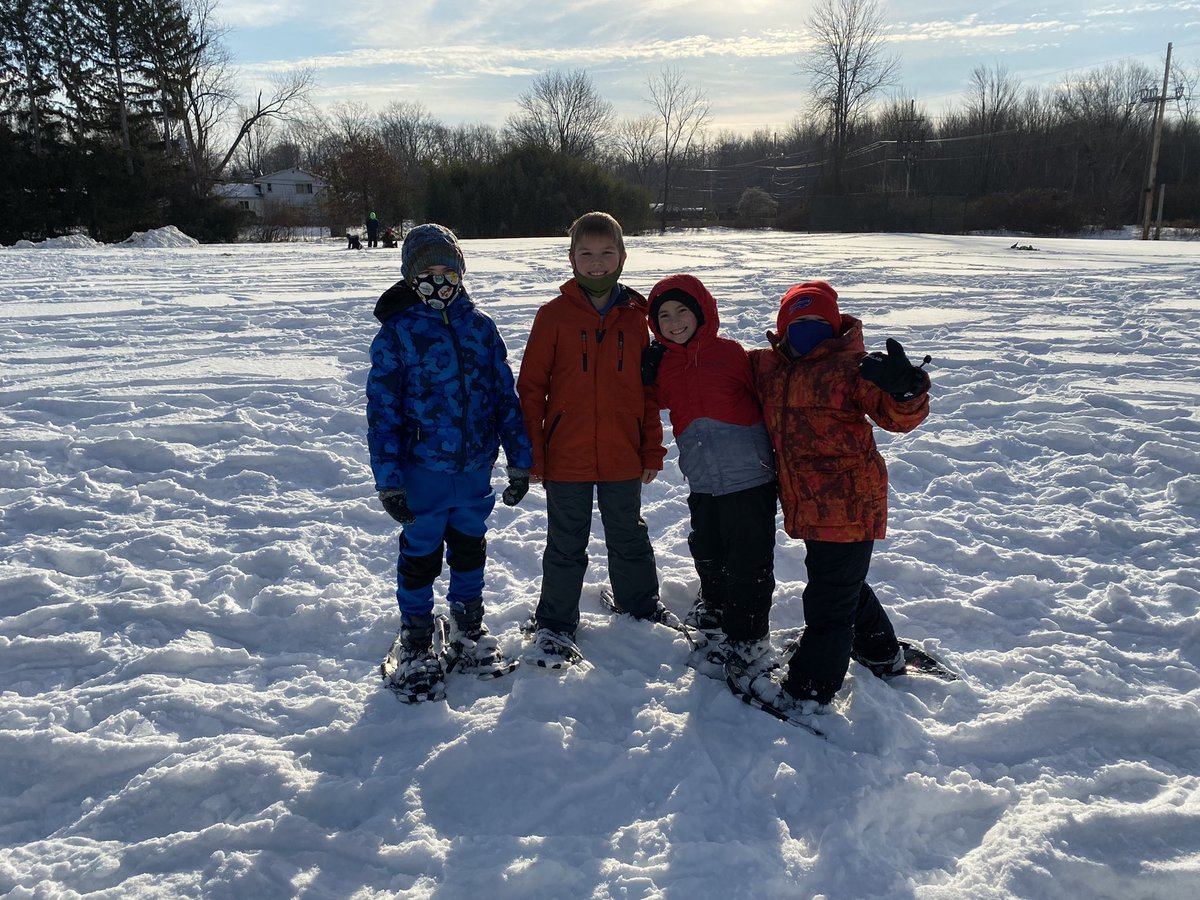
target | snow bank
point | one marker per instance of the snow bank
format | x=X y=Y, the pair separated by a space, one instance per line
x=167 y=236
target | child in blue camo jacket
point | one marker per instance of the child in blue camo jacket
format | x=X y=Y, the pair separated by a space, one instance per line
x=441 y=401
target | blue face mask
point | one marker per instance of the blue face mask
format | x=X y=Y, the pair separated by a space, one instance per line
x=806 y=334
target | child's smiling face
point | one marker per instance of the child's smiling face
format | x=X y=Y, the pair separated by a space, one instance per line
x=596 y=255
x=676 y=322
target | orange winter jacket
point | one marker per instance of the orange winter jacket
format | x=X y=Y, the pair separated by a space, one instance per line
x=588 y=414
x=818 y=409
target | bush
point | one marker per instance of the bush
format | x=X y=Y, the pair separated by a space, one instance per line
x=530 y=192
x=210 y=221
x=1034 y=211
x=794 y=218
x=756 y=206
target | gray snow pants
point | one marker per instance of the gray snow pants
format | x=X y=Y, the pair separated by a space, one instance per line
x=631 y=567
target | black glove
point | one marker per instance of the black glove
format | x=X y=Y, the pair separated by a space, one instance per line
x=894 y=373
x=518 y=486
x=651 y=360
x=395 y=502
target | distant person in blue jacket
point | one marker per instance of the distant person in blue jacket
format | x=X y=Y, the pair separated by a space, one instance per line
x=441 y=401
x=372 y=231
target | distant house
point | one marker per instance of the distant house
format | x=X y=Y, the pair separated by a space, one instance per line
x=287 y=187
x=245 y=196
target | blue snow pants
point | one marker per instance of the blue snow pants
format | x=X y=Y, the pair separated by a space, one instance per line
x=452 y=512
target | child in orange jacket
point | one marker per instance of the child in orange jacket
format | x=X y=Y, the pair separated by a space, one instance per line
x=820 y=392
x=596 y=431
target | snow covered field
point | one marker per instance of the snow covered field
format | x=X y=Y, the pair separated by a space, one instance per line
x=196 y=589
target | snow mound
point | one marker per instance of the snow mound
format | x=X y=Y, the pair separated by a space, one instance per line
x=68 y=242
x=167 y=236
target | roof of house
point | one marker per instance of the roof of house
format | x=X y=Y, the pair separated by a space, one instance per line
x=293 y=174
x=236 y=191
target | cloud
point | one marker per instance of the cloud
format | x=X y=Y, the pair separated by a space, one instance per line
x=520 y=61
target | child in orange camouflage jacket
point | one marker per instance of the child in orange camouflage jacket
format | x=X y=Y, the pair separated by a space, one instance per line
x=820 y=392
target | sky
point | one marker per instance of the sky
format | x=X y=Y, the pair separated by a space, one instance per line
x=197 y=584
x=469 y=61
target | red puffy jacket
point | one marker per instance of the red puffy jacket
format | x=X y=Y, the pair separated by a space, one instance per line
x=588 y=414
x=818 y=409
x=709 y=376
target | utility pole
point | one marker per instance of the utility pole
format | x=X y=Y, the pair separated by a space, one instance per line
x=1159 y=115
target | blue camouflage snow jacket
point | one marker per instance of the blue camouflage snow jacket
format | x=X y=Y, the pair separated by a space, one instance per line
x=440 y=394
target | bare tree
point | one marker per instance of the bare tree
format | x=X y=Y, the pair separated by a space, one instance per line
x=991 y=108
x=683 y=111
x=634 y=143
x=288 y=90
x=207 y=89
x=1186 y=81
x=563 y=111
x=848 y=66
x=1110 y=125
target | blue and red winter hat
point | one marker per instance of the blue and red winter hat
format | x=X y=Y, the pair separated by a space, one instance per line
x=812 y=298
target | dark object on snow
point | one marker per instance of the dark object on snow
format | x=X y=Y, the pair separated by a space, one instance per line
x=389 y=238
x=1023 y=247
x=353 y=242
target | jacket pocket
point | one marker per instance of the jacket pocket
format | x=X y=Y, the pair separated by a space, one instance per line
x=550 y=430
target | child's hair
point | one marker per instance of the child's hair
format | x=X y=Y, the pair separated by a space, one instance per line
x=596 y=224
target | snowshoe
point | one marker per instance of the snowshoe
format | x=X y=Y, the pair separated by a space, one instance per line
x=474 y=651
x=764 y=690
x=911 y=660
x=413 y=669
x=710 y=660
x=553 y=650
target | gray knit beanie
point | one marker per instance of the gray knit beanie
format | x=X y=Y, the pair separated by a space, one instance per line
x=430 y=245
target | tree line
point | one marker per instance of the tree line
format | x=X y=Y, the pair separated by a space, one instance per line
x=120 y=115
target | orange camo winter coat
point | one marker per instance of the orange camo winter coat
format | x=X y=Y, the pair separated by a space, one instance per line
x=819 y=409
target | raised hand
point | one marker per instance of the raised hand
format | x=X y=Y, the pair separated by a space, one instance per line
x=893 y=373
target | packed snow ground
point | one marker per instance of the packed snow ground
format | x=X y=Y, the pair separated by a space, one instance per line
x=196 y=589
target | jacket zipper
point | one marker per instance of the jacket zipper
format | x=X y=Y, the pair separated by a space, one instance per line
x=583 y=343
x=620 y=351
x=462 y=383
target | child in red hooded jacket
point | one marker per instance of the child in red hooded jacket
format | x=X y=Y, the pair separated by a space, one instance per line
x=820 y=392
x=725 y=454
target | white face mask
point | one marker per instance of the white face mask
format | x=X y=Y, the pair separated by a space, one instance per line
x=438 y=291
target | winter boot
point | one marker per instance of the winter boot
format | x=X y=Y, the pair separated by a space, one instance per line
x=710 y=659
x=749 y=655
x=769 y=688
x=553 y=649
x=885 y=667
x=809 y=696
x=470 y=647
x=705 y=616
x=417 y=673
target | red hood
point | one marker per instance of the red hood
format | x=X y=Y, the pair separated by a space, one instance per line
x=691 y=285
